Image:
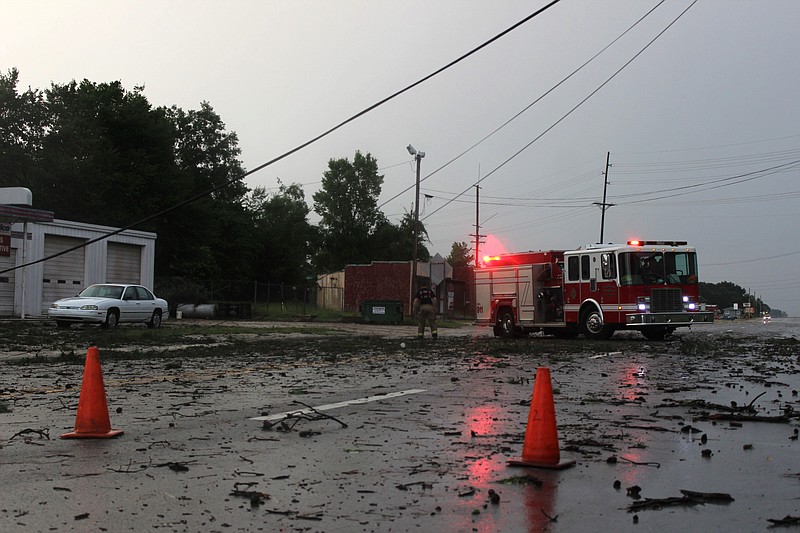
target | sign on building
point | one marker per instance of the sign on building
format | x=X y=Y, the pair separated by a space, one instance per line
x=5 y=239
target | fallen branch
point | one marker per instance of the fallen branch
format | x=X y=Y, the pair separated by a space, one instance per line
x=255 y=497
x=733 y=417
x=127 y=470
x=708 y=496
x=787 y=520
x=641 y=463
x=689 y=498
x=425 y=485
x=297 y=417
x=43 y=433
x=175 y=466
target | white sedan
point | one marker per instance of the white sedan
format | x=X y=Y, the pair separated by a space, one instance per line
x=109 y=304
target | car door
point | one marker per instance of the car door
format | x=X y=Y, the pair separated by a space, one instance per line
x=147 y=303
x=130 y=308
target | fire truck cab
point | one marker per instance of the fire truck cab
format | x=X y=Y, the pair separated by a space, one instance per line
x=650 y=286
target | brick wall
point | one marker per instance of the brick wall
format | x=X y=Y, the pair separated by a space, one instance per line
x=377 y=281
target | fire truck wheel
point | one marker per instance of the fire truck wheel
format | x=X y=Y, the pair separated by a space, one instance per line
x=506 y=325
x=592 y=325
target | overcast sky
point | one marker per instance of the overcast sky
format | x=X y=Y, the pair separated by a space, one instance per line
x=703 y=126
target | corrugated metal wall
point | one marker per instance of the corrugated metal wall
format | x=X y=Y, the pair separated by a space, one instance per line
x=94 y=261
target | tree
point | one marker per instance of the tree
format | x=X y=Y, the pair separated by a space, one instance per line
x=204 y=149
x=101 y=154
x=391 y=242
x=348 y=206
x=206 y=156
x=24 y=118
x=283 y=234
x=107 y=155
x=724 y=294
x=460 y=255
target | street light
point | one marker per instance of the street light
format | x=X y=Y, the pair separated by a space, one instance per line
x=418 y=157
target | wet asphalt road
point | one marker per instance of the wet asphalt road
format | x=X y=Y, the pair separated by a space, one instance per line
x=196 y=455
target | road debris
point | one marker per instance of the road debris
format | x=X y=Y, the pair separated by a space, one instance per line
x=689 y=498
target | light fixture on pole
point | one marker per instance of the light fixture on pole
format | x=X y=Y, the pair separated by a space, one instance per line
x=418 y=157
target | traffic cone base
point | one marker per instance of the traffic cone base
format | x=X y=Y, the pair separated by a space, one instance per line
x=92 y=420
x=92 y=435
x=558 y=466
x=540 y=449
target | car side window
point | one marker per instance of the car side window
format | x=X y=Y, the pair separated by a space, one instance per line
x=131 y=294
x=145 y=294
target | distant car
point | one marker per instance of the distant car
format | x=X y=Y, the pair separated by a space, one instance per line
x=767 y=319
x=109 y=304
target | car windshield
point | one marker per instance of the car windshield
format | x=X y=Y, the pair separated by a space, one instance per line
x=102 y=291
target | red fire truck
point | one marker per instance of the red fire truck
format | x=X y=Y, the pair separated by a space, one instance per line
x=649 y=286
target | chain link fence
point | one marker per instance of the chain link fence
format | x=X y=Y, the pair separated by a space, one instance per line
x=250 y=299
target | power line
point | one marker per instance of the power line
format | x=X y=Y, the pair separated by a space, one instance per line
x=296 y=148
x=507 y=122
x=568 y=113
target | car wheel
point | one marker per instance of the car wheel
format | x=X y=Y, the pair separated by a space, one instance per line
x=63 y=323
x=112 y=319
x=155 y=322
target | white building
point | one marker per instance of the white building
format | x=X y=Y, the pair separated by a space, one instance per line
x=125 y=257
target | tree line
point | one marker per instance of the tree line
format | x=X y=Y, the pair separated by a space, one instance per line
x=102 y=154
x=725 y=294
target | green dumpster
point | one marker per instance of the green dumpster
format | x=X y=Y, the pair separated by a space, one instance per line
x=382 y=311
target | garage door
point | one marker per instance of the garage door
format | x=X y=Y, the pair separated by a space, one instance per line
x=124 y=263
x=7 y=284
x=63 y=275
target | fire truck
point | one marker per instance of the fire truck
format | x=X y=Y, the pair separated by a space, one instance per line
x=649 y=286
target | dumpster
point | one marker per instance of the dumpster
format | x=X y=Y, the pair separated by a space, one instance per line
x=382 y=311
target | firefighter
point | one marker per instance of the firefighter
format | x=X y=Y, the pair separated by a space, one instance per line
x=424 y=308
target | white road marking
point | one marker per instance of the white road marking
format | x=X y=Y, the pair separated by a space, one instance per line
x=326 y=407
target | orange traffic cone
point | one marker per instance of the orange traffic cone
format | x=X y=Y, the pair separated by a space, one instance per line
x=540 y=448
x=92 y=421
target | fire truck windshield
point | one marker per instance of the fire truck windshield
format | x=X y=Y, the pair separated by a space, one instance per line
x=657 y=268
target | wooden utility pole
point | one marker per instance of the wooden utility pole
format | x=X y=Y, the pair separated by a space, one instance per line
x=604 y=205
x=477 y=233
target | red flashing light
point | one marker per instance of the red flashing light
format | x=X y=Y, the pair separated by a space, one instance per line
x=489 y=258
x=656 y=243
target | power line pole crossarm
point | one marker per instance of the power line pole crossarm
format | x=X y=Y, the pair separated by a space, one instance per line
x=604 y=205
x=477 y=233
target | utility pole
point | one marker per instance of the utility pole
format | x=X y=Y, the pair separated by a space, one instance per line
x=418 y=157
x=477 y=233
x=604 y=205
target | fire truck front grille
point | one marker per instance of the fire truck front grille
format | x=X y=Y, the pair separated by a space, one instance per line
x=666 y=300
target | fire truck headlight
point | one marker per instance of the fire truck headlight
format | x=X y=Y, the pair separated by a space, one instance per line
x=692 y=306
x=685 y=299
x=643 y=304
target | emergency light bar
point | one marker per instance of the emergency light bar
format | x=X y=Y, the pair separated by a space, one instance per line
x=657 y=243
